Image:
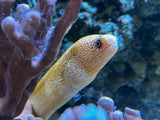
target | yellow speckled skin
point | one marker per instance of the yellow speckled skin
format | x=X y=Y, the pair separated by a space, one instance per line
x=77 y=67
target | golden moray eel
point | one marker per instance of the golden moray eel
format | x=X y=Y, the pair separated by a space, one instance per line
x=77 y=67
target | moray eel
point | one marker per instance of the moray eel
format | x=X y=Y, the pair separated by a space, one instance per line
x=77 y=67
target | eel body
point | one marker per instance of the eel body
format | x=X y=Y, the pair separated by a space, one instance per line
x=75 y=69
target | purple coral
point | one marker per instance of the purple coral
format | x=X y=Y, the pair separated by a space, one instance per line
x=104 y=111
x=84 y=112
x=108 y=105
x=27 y=47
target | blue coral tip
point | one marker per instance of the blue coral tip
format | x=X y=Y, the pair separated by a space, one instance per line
x=117 y=115
x=106 y=103
x=93 y=112
x=132 y=112
x=67 y=115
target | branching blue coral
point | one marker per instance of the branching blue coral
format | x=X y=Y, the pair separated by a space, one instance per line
x=104 y=111
x=84 y=112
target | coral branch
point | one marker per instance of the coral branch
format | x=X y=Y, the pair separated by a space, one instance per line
x=5 y=6
x=20 y=40
x=63 y=25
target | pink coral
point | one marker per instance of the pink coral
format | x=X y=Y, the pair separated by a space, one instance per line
x=27 y=47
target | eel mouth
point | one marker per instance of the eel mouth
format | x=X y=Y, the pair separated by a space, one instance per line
x=113 y=46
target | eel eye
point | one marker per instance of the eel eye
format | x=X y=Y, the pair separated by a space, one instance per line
x=98 y=43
